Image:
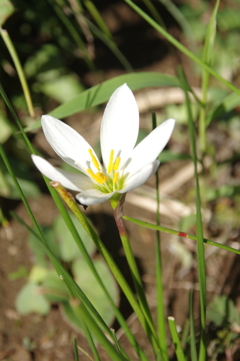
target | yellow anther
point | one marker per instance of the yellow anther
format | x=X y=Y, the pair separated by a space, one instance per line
x=102 y=177
x=115 y=177
x=99 y=177
x=117 y=164
x=111 y=164
x=94 y=160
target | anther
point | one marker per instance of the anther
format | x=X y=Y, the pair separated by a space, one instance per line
x=117 y=163
x=111 y=164
x=94 y=159
x=99 y=177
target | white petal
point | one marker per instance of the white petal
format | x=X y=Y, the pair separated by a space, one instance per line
x=141 y=177
x=93 y=196
x=120 y=124
x=67 y=143
x=150 y=147
x=73 y=181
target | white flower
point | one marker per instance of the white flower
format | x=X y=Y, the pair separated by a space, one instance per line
x=124 y=167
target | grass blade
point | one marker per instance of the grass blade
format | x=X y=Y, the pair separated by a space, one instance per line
x=8 y=42
x=192 y=328
x=200 y=241
x=159 y=283
x=178 y=347
x=180 y=234
x=100 y=93
x=207 y=58
x=76 y=358
x=181 y=47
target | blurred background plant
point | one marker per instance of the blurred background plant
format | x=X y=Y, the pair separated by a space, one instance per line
x=52 y=52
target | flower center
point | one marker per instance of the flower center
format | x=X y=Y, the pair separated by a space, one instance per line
x=108 y=181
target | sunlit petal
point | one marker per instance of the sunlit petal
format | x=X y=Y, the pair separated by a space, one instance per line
x=141 y=177
x=67 y=143
x=93 y=196
x=120 y=124
x=150 y=147
x=73 y=181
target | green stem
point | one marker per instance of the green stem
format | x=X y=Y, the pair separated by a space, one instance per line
x=193 y=348
x=176 y=340
x=181 y=47
x=7 y=40
x=118 y=213
x=180 y=234
x=159 y=278
x=200 y=241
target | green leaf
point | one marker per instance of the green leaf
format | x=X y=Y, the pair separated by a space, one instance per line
x=85 y=279
x=222 y=311
x=67 y=246
x=6 y=10
x=101 y=93
x=62 y=89
x=29 y=300
x=37 y=274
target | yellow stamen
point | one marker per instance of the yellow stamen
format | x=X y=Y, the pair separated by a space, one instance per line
x=111 y=164
x=117 y=163
x=115 y=177
x=94 y=160
x=102 y=176
x=99 y=177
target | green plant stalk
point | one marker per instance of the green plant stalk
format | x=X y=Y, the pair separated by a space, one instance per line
x=207 y=58
x=176 y=340
x=76 y=358
x=154 y=12
x=181 y=47
x=75 y=35
x=75 y=234
x=102 y=249
x=178 y=233
x=118 y=212
x=192 y=329
x=117 y=344
x=159 y=283
x=111 y=44
x=89 y=322
x=8 y=42
x=202 y=114
x=182 y=21
x=98 y=18
x=88 y=336
x=200 y=241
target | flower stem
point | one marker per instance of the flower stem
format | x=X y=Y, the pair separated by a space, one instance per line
x=118 y=213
